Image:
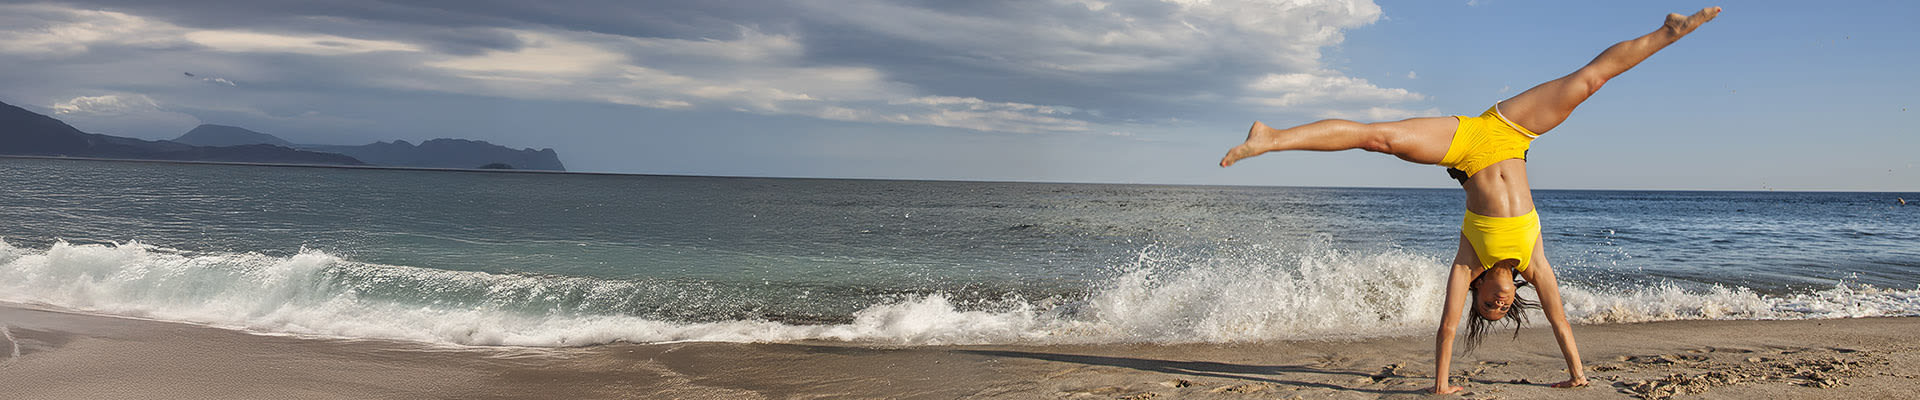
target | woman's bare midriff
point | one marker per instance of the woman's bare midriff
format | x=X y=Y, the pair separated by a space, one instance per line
x=1500 y=190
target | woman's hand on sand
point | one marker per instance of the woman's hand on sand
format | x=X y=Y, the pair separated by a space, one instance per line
x=1571 y=383
x=1450 y=389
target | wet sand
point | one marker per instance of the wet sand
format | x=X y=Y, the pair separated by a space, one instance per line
x=75 y=356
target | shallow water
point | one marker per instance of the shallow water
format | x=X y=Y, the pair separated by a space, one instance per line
x=572 y=259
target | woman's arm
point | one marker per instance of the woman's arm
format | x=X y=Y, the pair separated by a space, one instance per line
x=1457 y=282
x=1541 y=275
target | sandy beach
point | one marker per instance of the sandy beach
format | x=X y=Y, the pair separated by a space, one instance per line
x=74 y=356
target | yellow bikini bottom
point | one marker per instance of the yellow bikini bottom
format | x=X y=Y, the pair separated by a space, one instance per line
x=1500 y=238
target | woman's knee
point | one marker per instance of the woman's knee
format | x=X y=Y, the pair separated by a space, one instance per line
x=1420 y=140
x=1375 y=137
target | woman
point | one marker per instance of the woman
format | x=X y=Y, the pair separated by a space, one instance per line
x=1500 y=235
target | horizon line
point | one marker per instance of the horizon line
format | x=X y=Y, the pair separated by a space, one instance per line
x=1037 y=182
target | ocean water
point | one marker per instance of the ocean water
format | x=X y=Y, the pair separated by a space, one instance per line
x=470 y=258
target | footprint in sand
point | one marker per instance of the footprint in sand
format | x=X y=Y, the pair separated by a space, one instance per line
x=1098 y=391
x=1242 y=388
x=1802 y=367
x=1389 y=371
x=1064 y=372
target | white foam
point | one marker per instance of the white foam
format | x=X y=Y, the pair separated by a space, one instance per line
x=1258 y=294
x=1669 y=302
x=15 y=344
x=1252 y=294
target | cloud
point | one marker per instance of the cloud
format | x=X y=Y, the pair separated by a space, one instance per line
x=123 y=114
x=210 y=79
x=1111 y=37
x=105 y=104
x=1379 y=113
x=756 y=72
x=1329 y=95
x=64 y=32
x=42 y=30
x=1025 y=67
x=310 y=44
x=1295 y=89
x=1144 y=60
x=982 y=115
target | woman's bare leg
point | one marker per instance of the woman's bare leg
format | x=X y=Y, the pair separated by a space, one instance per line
x=1425 y=140
x=1420 y=140
x=1544 y=107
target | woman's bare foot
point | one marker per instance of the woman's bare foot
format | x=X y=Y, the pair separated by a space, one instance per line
x=1681 y=25
x=1259 y=141
x=1571 y=383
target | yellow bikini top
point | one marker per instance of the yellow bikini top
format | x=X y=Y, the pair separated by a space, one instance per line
x=1500 y=238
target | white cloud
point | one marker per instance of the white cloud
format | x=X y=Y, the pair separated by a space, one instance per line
x=753 y=46
x=1283 y=90
x=982 y=115
x=1154 y=40
x=756 y=73
x=567 y=65
x=1325 y=94
x=58 y=32
x=546 y=55
x=106 y=104
x=1110 y=42
x=1379 y=113
x=982 y=105
x=1080 y=36
x=1412 y=75
x=53 y=31
x=211 y=79
x=310 y=44
x=129 y=114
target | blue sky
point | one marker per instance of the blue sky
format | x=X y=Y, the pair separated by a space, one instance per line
x=1773 y=95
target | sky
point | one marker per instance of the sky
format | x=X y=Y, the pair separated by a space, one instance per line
x=1774 y=95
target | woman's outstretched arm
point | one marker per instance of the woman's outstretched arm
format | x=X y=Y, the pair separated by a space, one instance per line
x=1457 y=282
x=1541 y=274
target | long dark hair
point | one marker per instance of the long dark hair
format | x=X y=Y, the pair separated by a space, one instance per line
x=1477 y=325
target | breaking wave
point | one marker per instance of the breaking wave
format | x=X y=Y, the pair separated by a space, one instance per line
x=1253 y=295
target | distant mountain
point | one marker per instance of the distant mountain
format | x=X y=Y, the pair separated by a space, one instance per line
x=222 y=135
x=435 y=153
x=28 y=133
x=447 y=153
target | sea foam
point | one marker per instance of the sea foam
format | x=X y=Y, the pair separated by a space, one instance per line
x=1248 y=295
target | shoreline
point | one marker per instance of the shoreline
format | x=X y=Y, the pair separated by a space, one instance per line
x=69 y=355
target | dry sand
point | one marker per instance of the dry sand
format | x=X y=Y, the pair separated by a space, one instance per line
x=65 y=355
